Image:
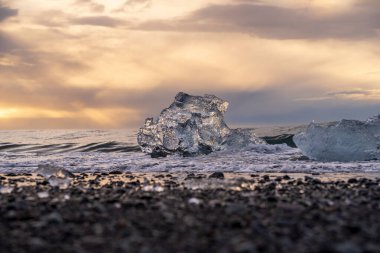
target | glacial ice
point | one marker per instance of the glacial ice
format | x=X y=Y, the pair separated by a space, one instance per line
x=194 y=201
x=60 y=182
x=43 y=195
x=192 y=125
x=56 y=176
x=6 y=189
x=153 y=188
x=347 y=140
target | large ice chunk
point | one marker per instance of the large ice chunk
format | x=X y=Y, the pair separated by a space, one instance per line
x=191 y=125
x=347 y=140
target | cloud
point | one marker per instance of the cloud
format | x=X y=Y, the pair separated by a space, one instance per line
x=278 y=106
x=104 y=21
x=58 y=96
x=6 y=12
x=32 y=78
x=53 y=96
x=81 y=106
x=351 y=92
x=134 y=5
x=60 y=19
x=269 y=21
x=357 y=94
x=8 y=43
x=372 y=73
x=138 y=2
x=91 y=5
x=81 y=77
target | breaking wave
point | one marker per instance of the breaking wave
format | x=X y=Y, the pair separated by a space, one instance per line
x=112 y=146
x=108 y=150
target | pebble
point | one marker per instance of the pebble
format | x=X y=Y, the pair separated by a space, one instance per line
x=218 y=175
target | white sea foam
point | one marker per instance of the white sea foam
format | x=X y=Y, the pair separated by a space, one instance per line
x=255 y=158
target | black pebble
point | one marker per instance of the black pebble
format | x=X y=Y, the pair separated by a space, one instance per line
x=218 y=175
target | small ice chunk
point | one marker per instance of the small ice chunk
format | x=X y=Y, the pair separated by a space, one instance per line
x=347 y=140
x=56 y=176
x=210 y=183
x=61 y=183
x=192 y=125
x=6 y=189
x=194 y=201
x=62 y=173
x=153 y=188
x=48 y=170
x=240 y=138
x=43 y=195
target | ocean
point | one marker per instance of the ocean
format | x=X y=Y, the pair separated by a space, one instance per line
x=21 y=151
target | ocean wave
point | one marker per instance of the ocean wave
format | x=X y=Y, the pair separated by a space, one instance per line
x=89 y=151
x=106 y=147
x=258 y=158
x=112 y=146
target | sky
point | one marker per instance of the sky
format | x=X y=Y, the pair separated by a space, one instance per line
x=112 y=63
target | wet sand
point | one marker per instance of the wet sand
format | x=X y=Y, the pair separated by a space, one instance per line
x=187 y=212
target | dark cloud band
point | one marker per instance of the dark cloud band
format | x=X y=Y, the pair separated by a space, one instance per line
x=92 y=6
x=361 y=21
x=6 y=12
x=104 y=21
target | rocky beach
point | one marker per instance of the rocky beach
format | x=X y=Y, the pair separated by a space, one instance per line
x=197 y=186
x=191 y=212
x=217 y=126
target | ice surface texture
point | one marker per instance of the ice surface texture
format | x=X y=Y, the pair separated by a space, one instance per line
x=192 y=125
x=56 y=176
x=347 y=140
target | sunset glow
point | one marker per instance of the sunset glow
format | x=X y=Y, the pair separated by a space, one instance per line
x=110 y=64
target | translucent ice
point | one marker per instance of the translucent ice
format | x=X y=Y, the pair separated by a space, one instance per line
x=43 y=195
x=48 y=170
x=347 y=140
x=239 y=138
x=6 y=189
x=153 y=188
x=191 y=125
x=56 y=176
x=194 y=201
x=60 y=182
